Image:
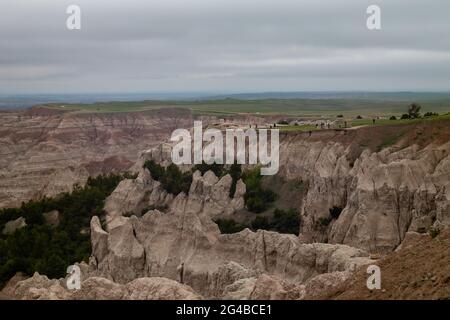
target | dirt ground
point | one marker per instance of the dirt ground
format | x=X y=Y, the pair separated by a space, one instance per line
x=418 y=271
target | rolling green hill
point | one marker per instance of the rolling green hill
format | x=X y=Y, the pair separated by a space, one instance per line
x=291 y=107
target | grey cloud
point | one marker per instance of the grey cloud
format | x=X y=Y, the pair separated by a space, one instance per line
x=223 y=45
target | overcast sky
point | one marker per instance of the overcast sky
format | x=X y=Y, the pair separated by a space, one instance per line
x=223 y=46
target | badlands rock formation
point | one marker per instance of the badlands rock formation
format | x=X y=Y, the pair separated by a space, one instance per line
x=138 y=257
x=12 y=226
x=45 y=151
x=382 y=195
x=360 y=197
x=207 y=194
x=157 y=243
x=39 y=287
x=359 y=200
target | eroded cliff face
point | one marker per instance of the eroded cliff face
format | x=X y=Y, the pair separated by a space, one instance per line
x=157 y=243
x=358 y=194
x=45 y=151
x=372 y=201
x=358 y=201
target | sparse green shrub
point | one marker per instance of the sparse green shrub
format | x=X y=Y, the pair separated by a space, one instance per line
x=335 y=212
x=257 y=199
x=434 y=232
x=393 y=118
x=414 y=111
x=46 y=249
x=128 y=214
x=322 y=223
x=161 y=208
x=157 y=171
x=285 y=221
x=227 y=226
x=254 y=203
x=404 y=116
x=235 y=172
x=218 y=169
x=172 y=179
x=422 y=230
x=175 y=181
x=282 y=222
x=260 y=223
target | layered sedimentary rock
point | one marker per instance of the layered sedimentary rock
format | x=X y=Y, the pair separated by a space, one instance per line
x=207 y=193
x=372 y=202
x=157 y=243
x=139 y=257
x=358 y=201
x=39 y=287
x=45 y=151
x=393 y=193
x=14 y=225
x=359 y=197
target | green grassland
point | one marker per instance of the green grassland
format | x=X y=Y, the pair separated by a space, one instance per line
x=306 y=127
x=366 y=122
x=361 y=122
x=289 y=107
